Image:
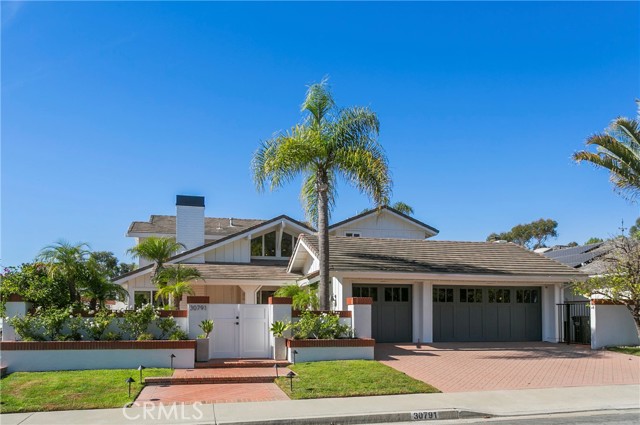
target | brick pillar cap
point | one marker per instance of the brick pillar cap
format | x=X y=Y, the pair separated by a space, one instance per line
x=359 y=300
x=199 y=299
x=281 y=300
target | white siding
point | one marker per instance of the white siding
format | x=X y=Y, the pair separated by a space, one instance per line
x=233 y=252
x=383 y=225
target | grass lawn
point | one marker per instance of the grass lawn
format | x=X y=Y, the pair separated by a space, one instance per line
x=347 y=378
x=634 y=351
x=70 y=390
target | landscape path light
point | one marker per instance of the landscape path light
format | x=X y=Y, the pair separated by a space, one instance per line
x=130 y=381
x=141 y=368
x=291 y=375
x=172 y=356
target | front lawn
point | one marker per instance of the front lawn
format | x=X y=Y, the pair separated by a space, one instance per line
x=634 y=351
x=70 y=390
x=348 y=378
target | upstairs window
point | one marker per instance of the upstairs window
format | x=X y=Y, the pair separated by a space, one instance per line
x=352 y=235
x=288 y=243
x=264 y=245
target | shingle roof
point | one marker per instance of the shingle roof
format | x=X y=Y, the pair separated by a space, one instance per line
x=425 y=256
x=258 y=270
x=213 y=226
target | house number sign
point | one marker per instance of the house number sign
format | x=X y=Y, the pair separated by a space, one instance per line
x=197 y=307
x=424 y=416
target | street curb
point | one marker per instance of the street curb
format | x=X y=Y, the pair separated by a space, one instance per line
x=372 y=418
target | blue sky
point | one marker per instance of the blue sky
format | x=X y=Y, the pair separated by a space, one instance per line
x=111 y=109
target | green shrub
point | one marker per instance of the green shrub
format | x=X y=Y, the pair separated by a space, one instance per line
x=178 y=335
x=167 y=326
x=75 y=324
x=320 y=326
x=136 y=322
x=278 y=328
x=97 y=327
x=145 y=336
x=53 y=320
x=112 y=336
x=28 y=327
x=207 y=327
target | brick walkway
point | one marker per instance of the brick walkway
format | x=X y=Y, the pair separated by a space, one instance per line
x=458 y=367
x=210 y=393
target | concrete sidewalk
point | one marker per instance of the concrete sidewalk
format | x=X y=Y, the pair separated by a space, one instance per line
x=356 y=410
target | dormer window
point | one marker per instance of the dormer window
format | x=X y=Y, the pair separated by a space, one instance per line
x=352 y=234
x=288 y=243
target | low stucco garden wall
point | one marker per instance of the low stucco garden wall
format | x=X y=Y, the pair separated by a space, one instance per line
x=315 y=350
x=612 y=325
x=78 y=355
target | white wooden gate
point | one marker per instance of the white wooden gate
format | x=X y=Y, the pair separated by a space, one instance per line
x=239 y=331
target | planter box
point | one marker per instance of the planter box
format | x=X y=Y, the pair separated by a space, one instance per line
x=313 y=350
x=79 y=355
x=280 y=348
x=202 y=350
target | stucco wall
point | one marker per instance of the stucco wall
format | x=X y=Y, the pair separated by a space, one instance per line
x=612 y=325
x=316 y=354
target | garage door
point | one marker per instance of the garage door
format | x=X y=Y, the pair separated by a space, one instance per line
x=486 y=314
x=390 y=312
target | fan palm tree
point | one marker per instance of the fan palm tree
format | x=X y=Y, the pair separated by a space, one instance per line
x=618 y=150
x=398 y=206
x=66 y=261
x=328 y=144
x=175 y=283
x=158 y=250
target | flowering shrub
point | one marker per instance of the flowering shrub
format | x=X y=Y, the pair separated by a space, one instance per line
x=97 y=327
x=53 y=320
x=136 y=322
x=28 y=327
x=75 y=325
x=178 y=335
x=167 y=326
x=320 y=326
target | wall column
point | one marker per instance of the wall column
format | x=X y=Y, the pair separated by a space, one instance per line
x=360 y=308
x=250 y=293
x=279 y=311
x=427 y=312
x=15 y=306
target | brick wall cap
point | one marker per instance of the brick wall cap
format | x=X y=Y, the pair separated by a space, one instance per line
x=359 y=301
x=198 y=299
x=320 y=343
x=280 y=300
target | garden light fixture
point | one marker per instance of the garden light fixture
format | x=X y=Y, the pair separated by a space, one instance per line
x=172 y=356
x=291 y=375
x=294 y=356
x=276 y=366
x=130 y=381
x=141 y=368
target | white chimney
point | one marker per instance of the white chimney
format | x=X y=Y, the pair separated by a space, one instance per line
x=190 y=223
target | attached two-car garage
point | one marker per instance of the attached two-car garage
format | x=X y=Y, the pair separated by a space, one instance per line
x=460 y=314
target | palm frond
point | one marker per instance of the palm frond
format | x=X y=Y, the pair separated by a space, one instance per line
x=318 y=102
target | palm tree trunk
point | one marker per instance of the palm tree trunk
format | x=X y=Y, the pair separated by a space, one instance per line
x=324 y=287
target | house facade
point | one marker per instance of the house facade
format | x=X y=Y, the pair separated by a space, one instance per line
x=422 y=290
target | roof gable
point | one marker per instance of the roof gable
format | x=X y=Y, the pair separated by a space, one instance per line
x=429 y=230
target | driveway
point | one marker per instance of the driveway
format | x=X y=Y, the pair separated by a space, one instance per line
x=458 y=367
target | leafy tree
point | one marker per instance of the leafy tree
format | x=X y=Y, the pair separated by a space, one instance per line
x=634 y=231
x=532 y=235
x=66 y=261
x=593 y=240
x=157 y=250
x=109 y=265
x=572 y=244
x=175 y=283
x=33 y=282
x=617 y=150
x=329 y=144
x=621 y=281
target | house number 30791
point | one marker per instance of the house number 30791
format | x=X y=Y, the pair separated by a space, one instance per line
x=424 y=416
x=196 y=307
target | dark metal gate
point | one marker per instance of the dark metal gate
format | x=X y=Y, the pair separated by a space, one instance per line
x=574 y=322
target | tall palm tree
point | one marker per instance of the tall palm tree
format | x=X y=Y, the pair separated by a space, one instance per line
x=329 y=144
x=67 y=261
x=158 y=250
x=398 y=206
x=176 y=283
x=618 y=150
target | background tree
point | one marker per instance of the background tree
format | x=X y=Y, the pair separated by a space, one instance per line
x=302 y=297
x=66 y=261
x=532 y=235
x=617 y=150
x=329 y=144
x=398 y=206
x=34 y=283
x=96 y=285
x=593 y=240
x=621 y=281
x=109 y=265
x=175 y=282
x=156 y=250
x=634 y=231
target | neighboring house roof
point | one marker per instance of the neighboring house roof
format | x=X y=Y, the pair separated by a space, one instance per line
x=584 y=257
x=213 y=226
x=257 y=269
x=430 y=229
x=425 y=256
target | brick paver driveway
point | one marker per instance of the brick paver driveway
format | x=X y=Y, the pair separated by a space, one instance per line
x=456 y=367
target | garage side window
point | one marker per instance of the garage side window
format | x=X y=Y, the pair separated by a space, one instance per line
x=527 y=296
x=470 y=295
x=442 y=295
x=500 y=296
